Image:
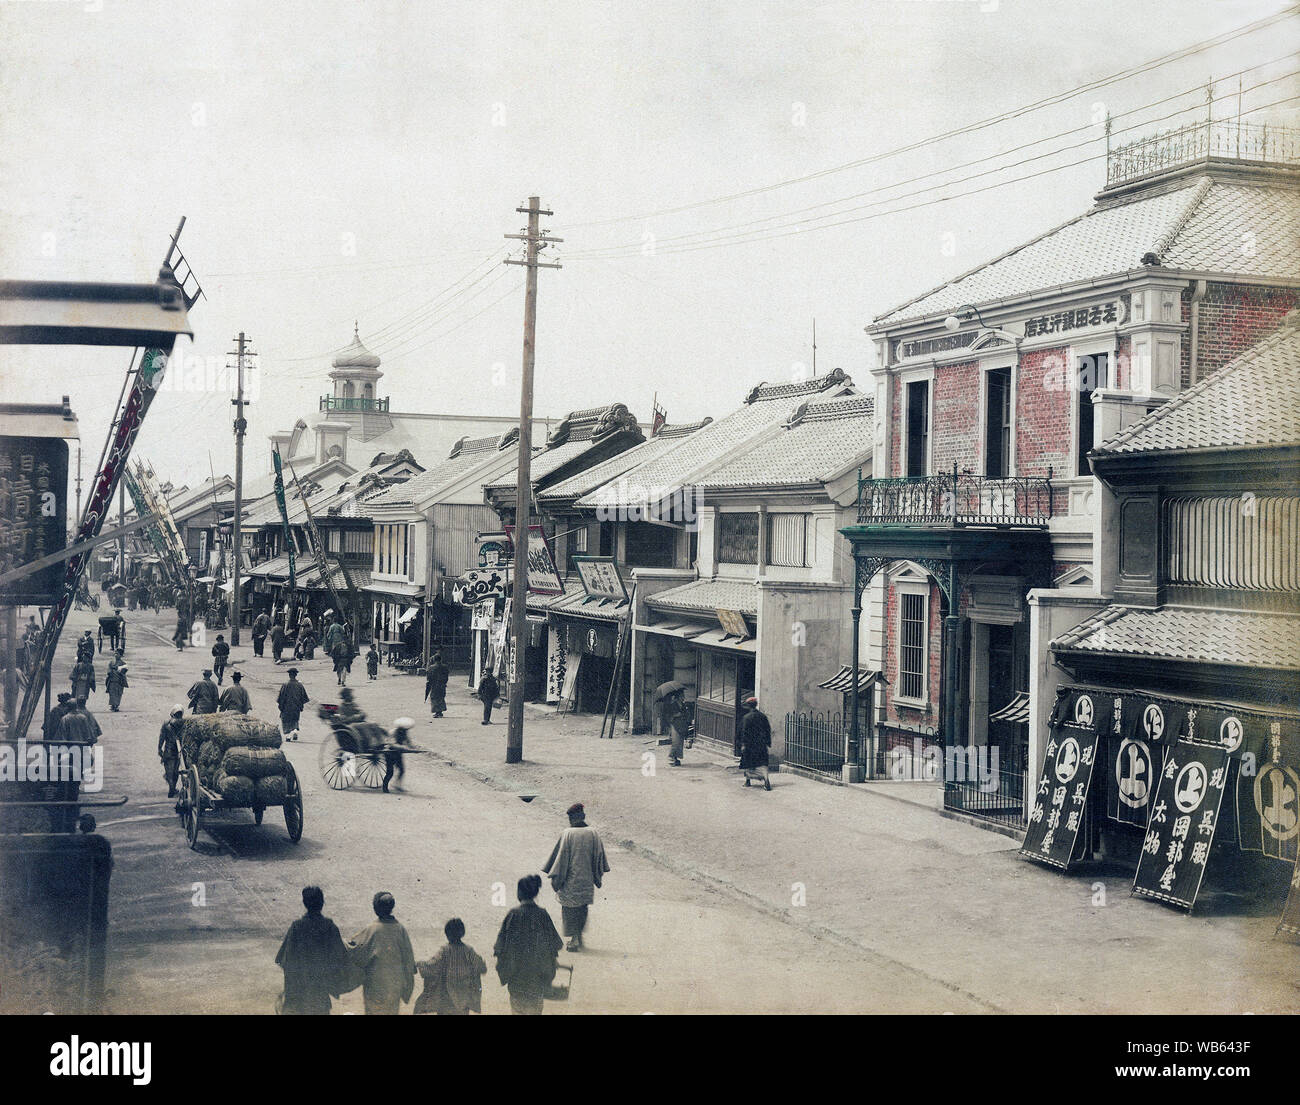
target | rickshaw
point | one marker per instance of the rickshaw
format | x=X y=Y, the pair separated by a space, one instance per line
x=359 y=752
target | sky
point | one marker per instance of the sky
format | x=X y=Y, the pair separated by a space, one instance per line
x=342 y=162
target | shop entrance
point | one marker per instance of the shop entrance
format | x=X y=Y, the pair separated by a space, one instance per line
x=723 y=681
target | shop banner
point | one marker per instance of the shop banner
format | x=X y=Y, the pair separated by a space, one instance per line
x=543 y=578
x=284 y=521
x=1268 y=811
x=1062 y=793
x=555 y=664
x=1289 y=926
x=1181 y=828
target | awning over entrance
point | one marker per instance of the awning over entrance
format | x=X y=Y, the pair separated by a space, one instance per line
x=698 y=635
x=842 y=680
x=394 y=592
x=1016 y=711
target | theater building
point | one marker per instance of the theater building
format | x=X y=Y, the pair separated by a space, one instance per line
x=991 y=393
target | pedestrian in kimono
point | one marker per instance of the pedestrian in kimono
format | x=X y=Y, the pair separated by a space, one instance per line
x=677 y=716
x=234 y=699
x=453 y=984
x=277 y=642
x=526 y=950
x=341 y=655
x=261 y=627
x=334 y=634
x=83 y=679
x=169 y=745
x=576 y=865
x=435 y=686
x=78 y=726
x=372 y=663
x=86 y=646
x=64 y=704
x=203 y=694
x=115 y=681
x=220 y=657
x=488 y=689
x=314 y=960
x=291 y=699
x=382 y=952
x=755 y=740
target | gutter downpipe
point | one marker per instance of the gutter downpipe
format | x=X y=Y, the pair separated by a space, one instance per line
x=1199 y=288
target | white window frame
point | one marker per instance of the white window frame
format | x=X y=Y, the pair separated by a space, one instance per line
x=986 y=368
x=903 y=587
x=1076 y=353
x=916 y=376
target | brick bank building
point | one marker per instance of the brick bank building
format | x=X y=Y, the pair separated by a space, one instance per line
x=984 y=532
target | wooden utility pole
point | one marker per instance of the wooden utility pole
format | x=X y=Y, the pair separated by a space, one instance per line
x=536 y=242
x=236 y=537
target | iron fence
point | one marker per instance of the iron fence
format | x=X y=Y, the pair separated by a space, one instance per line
x=352 y=403
x=1227 y=138
x=997 y=791
x=957 y=499
x=815 y=741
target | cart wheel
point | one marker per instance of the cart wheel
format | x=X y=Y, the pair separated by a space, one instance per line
x=195 y=810
x=257 y=814
x=371 y=769
x=337 y=766
x=293 y=806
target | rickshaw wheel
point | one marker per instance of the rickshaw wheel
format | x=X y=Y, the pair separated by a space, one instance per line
x=293 y=806
x=371 y=769
x=338 y=767
x=195 y=807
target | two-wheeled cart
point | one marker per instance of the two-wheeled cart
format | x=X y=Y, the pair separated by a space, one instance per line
x=195 y=800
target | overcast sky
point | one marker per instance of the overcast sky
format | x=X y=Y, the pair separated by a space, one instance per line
x=342 y=161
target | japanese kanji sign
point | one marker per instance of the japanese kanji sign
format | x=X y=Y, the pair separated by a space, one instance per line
x=543 y=579
x=1180 y=830
x=33 y=516
x=1062 y=793
x=600 y=578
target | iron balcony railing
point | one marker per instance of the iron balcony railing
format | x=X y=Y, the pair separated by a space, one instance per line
x=957 y=499
x=1224 y=138
x=344 y=403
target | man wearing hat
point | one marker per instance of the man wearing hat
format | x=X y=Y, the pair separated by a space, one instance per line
x=291 y=700
x=220 y=658
x=755 y=740
x=169 y=743
x=203 y=695
x=576 y=865
x=235 y=698
x=115 y=680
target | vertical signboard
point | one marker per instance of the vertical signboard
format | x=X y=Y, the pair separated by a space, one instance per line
x=1062 y=792
x=33 y=516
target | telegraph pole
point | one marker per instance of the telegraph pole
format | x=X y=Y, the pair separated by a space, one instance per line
x=536 y=242
x=241 y=424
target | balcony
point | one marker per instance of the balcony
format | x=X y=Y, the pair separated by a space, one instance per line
x=957 y=499
x=341 y=403
x=1197 y=142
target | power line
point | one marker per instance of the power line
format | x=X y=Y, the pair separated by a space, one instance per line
x=970 y=128
x=1200 y=106
x=785 y=232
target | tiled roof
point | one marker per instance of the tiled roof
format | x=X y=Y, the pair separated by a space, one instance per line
x=817 y=444
x=1244 y=639
x=573 y=602
x=708 y=595
x=1197 y=224
x=469 y=454
x=1251 y=401
x=663 y=473
x=611 y=469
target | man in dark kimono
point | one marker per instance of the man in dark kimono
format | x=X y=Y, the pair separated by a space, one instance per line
x=488 y=689
x=277 y=642
x=115 y=681
x=83 y=679
x=64 y=704
x=261 y=626
x=314 y=959
x=169 y=743
x=203 y=694
x=235 y=698
x=220 y=657
x=755 y=740
x=526 y=948
x=86 y=646
x=78 y=726
x=117 y=634
x=291 y=700
x=435 y=685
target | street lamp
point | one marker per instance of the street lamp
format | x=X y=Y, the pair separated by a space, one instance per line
x=965 y=311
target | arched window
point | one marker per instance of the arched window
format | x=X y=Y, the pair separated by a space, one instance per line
x=348 y=390
x=368 y=392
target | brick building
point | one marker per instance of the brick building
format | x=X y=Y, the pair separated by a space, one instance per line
x=992 y=390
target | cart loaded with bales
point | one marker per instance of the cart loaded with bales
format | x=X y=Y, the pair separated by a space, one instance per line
x=234 y=762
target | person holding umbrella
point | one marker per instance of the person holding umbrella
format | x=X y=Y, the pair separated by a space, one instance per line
x=676 y=715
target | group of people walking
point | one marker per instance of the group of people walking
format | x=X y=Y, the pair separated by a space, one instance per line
x=319 y=965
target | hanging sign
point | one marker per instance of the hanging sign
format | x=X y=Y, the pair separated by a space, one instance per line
x=1062 y=794
x=33 y=516
x=600 y=579
x=480 y=619
x=479 y=585
x=543 y=578
x=1180 y=831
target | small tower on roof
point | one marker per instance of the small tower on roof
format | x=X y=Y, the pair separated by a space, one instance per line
x=356 y=375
